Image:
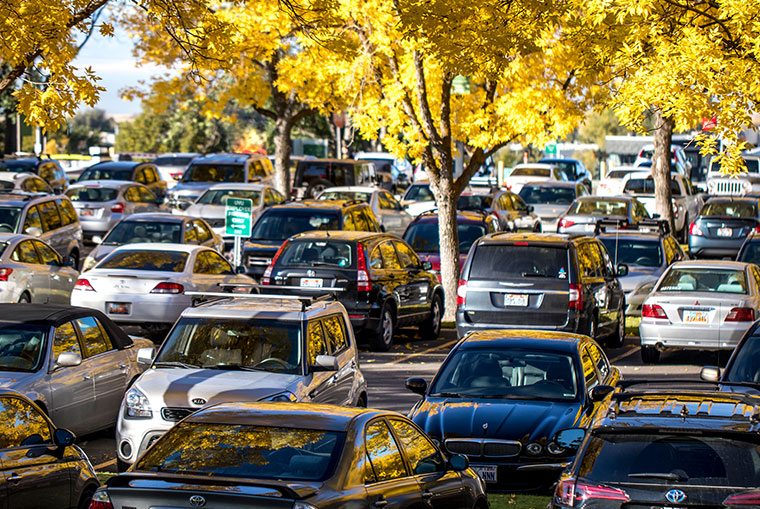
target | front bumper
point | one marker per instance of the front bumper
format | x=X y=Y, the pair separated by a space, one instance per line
x=143 y=308
x=134 y=436
x=662 y=334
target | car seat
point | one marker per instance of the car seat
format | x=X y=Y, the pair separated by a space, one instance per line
x=220 y=351
x=487 y=373
x=140 y=234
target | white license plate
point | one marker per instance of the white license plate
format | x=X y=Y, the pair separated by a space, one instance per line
x=486 y=472
x=117 y=308
x=725 y=232
x=311 y=282
x=695 y=316
x=85 y=212
x=516 y=299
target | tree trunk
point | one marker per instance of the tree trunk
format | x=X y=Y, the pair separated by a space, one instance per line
x=283 y=146
x=448 y=234
x=663 y=132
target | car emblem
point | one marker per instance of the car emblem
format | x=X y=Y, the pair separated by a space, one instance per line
x=696 y=303
x=311 y=273
x=199 y=401
x=197 y=501
x=485 y=428
x=675 y=496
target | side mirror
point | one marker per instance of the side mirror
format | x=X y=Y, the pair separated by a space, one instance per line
x=145 y=355
x=68 y=359
x=570 y=438
x=655 y=216
x=240 y=269
x=710 y=373
x=622 y=270
x=34 y=231
x=325 y=363
x=416 y=385
x=458 y=462
x=69 y=262
x=63 y=437
x=382 y=228
x=427 y=265
x=600 y=392
x=97 y=239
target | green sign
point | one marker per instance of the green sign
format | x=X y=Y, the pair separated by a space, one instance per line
x=460 y=85
x=551 y=148
x=237 y=220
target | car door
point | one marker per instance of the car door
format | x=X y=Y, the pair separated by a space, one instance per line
x=336 y=336
x=418 y=282
x=615 y=296
x=51 y=224
x=211 y=269
x=595 y=288
x=61 y=279
x=322 y=387
x=387 y=481
x=133 y=202
x=395 y=279
x=35 y=473
x=441 y=487
x=37 y=275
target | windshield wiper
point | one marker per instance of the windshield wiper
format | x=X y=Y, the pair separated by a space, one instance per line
x=321 y=264
x=446 y=395
x=231 y=367
x=174 y=364
x=668 y=476
x=533 y=274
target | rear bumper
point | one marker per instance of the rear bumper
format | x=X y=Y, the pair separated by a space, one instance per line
x=701 y=246
x=466 y=324
x=98 y=227
x=698 y=337
x=143 y=307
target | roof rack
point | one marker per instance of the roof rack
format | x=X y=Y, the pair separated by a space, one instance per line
x=608 y=225
x=305 y=300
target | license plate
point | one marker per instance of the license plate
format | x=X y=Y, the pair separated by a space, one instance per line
x=516 y=299
x=117 y=308
x=695 y=316
x=486 y=472
x=311 y=282
x=725 y=232
x=85 y=212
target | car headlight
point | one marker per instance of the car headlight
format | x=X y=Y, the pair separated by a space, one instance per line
x=534 y=448
x=282 y=396
x=89 y=263
x=303 y=505
x=136 y=405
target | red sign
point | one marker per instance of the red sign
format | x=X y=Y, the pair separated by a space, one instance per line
x=339 y=119
x=709 y=123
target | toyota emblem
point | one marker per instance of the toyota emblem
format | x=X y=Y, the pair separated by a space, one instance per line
x=197 y=501
x=199 y=401
x=675 y=496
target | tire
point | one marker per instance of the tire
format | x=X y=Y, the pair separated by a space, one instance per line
x=24 y=299
x=121 y=466
x=617 y=338
x=86 y=498
x=362 y=401
x=650 y=355
x=316 y=187
x=383 y=339
x=431 y=327
x=74 y=255
x=592 y=327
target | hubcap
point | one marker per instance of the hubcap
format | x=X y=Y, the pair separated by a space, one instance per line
x=387 y=327
x=436 y=317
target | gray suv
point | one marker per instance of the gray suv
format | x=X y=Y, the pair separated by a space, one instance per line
x=242 y=348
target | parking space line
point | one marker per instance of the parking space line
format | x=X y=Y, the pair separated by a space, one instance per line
x=105 y=464
x=626 y=354
x=424 y=352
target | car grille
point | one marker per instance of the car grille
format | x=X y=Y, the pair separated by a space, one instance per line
x=727 y=186
x=484 y=447
x=501 y=449
x=175 y=414
x=258 y=260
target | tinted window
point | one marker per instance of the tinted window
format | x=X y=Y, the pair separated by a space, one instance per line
x=388 y=254
x=132 y=194
x=589 y=370
x=50 y=216
x=418 y=192
x=94 y=194
x=475 y=202
x=208 y=262
x=646 y=186
x=132 y=232
x=21 y=422
x=504 y=262
x=214 y=173
x=167 y=261
x=219 y=196
x=9 y=217
x=172 y=161
x=94 y=338
x=746 y=365
x=25 y=253
x=32 y=218
x=423 y=236
x=106 y=174
x=407 y=257
x=647 y=253
x=704 y=280
x=530 y=172
x=203 y=233
x=360 y=220
x=423 y=457
x=315 y=341
x=554 y=195
x=335 y=333
x=22 y=347
x=68 y=213
x=47 y=255
x=65 y=340
x=279 y=224
x=19 y=165
x=383 y=453
x=600 y=208
x=345 y=195
x=600 y=361
x=730 y=209
x=318 y=252
x=750 y=253
x=752 y=166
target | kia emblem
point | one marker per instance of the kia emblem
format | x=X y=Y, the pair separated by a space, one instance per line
x=675 y=496
x=199 y=402
x=199 y=501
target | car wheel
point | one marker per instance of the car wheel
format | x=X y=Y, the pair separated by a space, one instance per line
x=384 y=335
x=317 y=187
x=84 y=501
x=74 y=255
x=617 y=338
x=650 y=355
x=24 y=299
x=121 y=466
x=431 y=327
x=591 y=332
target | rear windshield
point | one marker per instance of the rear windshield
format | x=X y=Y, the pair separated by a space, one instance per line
x=166 y=261
x=214 y=173
x=318 y=253
x=105 y=174
x=345 y=195
x=281 y=224
x=9 y=217
x=530 y=172
x=618 y=174
x=172 y=161
x=646 y=186
x=499 y=262
x=423 y=237
x=474 y=202
x=696 y=459
x=634 y=252
x=600 y=208
x=92 y=194
x=554 y=195
x=219 y=196
x=730 y=209
x=419 y=193
x=18 y=166
x=704 y=280
x=132 y=232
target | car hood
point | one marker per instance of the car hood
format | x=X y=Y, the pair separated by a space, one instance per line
x=206 y=211
x=177 y=387
x=190 y=188
x=549 y=209
x=638 y=275
x=16 y=379
x=264 y=247
x=508 y=420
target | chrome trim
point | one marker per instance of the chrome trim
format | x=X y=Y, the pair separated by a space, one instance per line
x=482 y=442
x=543 y=466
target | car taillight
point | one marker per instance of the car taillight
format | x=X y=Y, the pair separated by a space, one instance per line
x=695 y=230
x=575 y=296
x=747 y=498
x=585 y=491
x=176 y=176
x=4 y=273
x=84 y=285
x=168 y=288
x=266 y=279
x=565 y=223
x=363 y=283
x=757 y=229
x=119 y=207
x=462 y=292
x=741 y=315
x=653 y=311
x=101 y=500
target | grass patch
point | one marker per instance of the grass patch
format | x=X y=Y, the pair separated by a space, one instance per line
x=104 y=476
x=632 y=325
x=448 y=325
x=514 y=501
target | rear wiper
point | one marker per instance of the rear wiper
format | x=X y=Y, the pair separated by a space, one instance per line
x=533 y=274
x=668 y=476
x=174 y=364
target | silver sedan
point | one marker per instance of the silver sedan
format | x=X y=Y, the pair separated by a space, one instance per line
x=387 y=210
x=32 y=271
x=700 y=305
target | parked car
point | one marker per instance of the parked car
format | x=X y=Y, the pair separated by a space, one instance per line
x=211 y=206
x=501 y=397
x=172 y=166
x=612 y=183
x=393 y=219
x=383 y=284
x=679 y=163
x=400 y=170
x=243 y=349
x=550 y=200
x=665 y=447
x=74 y=363
x=208 y=170
x=42 y=466
x=722 y=226
x=743 y=367
x=52 y=219
x=311 y=456
x=100 y=204
x=542 y=281
x=278 y=223
x=422 y=236
x=315 y=175
x=142 y=173
x=31 y=271
x=699 y=305
x=23 y=183
x=145 y=284
x=47 y=169
x=156 y=227
x=574 y=170
x=750 y=250
x=746 y=182
x=513 y=214
x=418 y=198
x=585 y=212
x=532 y=172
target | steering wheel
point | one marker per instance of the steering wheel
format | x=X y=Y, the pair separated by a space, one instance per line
x=6 y=227
x=284 y=364
x=643 y=260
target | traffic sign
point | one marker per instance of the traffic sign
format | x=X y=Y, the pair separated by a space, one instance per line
x=237 y=217
x=551 y=148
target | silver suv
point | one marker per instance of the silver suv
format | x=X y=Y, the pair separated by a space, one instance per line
x=242 y=348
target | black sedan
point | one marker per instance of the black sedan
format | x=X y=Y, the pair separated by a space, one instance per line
x=722 y=226
x=501 y=397
x=295 y=456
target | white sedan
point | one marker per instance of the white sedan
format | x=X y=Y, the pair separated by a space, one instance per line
x=533 y=172
x=145 y=284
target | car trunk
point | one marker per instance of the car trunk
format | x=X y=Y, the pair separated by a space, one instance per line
x=706 y=311
x=92 y=210
x=726 y=227
x=114 y=281
x=647 y=495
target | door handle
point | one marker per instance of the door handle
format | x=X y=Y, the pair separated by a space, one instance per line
x=14 y=478
x=86 y=376
x=123 y=365
x=427 y=495
x=381 y=502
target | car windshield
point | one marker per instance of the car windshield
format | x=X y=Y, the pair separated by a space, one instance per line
x=508 y=373
x=599 y=208
x=9 y=217
x=132 y=232
x=280 y=224
x=239 y=450
x=704 y=280
x=255 y=344
x=93 y=193
x=645 y=253
x=172 y=161
x=106 y=174
x=745 y=366
x=530 y=172
x=419 y=193
x=646 y=186
x=423 y=236
x=137 y=259
x=547 y=195
x=682 y=459
x=22 y=347
x=345 y=195
x=219 y=196
x=750 y=253
x=730 y=209
x=504 y=262
x=318 y=253
x=752 y=166
x=474 y=202
x=214 y=173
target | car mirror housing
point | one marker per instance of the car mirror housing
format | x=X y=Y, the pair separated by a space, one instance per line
x=325 y=363
x=68 y=359
x=622 y=270
x=145 y=355
x=69 y=262
x=710 y=373
x=97 y=239
x=240 y=269
x=63 y=437
x=34 y=231
x=600 y=392
x=530 y=208
x=570 y=438
x=458 y=462
x=416 y=385
x=427 y=265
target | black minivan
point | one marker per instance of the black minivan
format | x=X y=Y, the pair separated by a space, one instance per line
x=542 y=281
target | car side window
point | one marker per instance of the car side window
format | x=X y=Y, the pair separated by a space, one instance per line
x=407 y=257
x=39 y=185
x=670 y=255
x=383 y=453
x=67 y=211
x=201 y=263
x=600 y=361
x=132 y=194
x=519 y=203
x=217 y=264
x=47 y=255
x=28 y=185
x=376 y=259
x=146 y=195
x=504 y=202
x=140 y=176
x=349 y=224
x=335 y=333
x=203 y=233
x=373 y=225
x=423 y=456
x=46 y=172
x=756 y=275
x=605 y=263
x=22 y=421
x=360 y=220
x=315 y=341
x=384 y=202
x=65 y=340
x=191 y=236
x=584 y=261
x=589 y=371
x=153 y=175
x=50 y=216
x=390 y=259
x=94 y=338
x=32 y=219
x=25 y=253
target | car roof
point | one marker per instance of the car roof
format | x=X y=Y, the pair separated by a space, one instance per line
x=537 y=238
x=317 y=204
x=351 y=189
x=164 y=217
x=551 y=183
x=238 y=185
x=222 y=158
x=13 y=175
x=178 y=154
x=540 y=166
x=263 y=307
x=21 y=199
x=431 y=216
x=517 y=338
x=115 y=184
x=558 y=160
x=629 y=235
x=626 y=199
x=116 y=165
x=345 y=235
x=710 y=264
x=10 y=237
x=160 y=246
x=713 y=199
